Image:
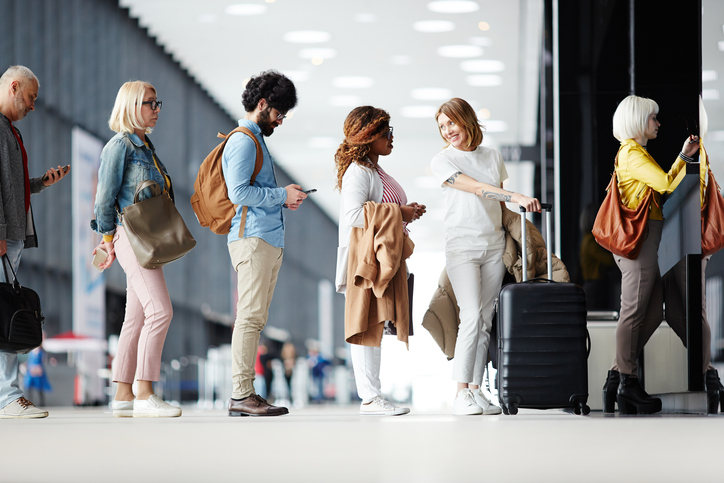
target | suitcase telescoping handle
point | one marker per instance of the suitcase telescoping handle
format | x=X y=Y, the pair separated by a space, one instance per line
x=524 y=240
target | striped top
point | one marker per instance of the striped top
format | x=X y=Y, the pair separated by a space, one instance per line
x=392 y=192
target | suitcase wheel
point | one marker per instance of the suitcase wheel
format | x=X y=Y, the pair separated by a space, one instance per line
x=581 y=408
x=505 y=409
x=513 y=409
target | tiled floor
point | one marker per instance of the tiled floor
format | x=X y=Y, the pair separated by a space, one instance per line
x=335 y=444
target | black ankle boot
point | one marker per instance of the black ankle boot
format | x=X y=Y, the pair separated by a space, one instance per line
x=610 y=388
x=632 y=399
x=713 y=390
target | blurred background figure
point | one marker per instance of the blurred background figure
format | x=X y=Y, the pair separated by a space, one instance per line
x=597 y=273
x=35 y=376
x=318 y=368
x=289 y=359
x=259 y=381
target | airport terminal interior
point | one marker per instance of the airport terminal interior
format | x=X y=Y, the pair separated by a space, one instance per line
x=544 y=78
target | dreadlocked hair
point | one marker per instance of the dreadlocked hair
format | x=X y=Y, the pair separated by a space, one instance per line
x=362 y=126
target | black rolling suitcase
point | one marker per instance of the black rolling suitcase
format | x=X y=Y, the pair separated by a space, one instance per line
x=543 y=342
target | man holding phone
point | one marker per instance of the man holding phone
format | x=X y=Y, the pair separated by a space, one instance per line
x=256 y=241
x=18 y=92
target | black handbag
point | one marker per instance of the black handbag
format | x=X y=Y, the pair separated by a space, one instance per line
x=21 y=320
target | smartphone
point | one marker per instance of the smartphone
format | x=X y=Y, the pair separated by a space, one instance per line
x=65 y=170
x=99 y=258
x=310 y=191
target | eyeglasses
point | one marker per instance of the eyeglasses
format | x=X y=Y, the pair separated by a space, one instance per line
x=281 y=116
x=389 y=133
x=155 y=104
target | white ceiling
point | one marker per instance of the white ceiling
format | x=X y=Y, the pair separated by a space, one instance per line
x=374 y=39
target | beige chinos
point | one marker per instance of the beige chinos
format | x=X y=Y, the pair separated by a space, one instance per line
x=257 y=265
x=642 y=300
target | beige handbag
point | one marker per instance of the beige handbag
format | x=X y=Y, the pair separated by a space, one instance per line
x=155 y=228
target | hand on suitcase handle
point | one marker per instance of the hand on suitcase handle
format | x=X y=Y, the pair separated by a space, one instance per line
x=544 y=206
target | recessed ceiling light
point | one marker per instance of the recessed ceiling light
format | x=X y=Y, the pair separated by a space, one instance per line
x=484 y=114
x=484 y=80
x=484 y=26
x=365 y=17
x=345 y=101
x=453 y=6
x=418 y=112
x=495 y=126
x=322 y=142
x=482 y=65
x=296 y=75
x=721 y=45
x=481 y=41
x=708 y=75
x=245 y=9
x=307 y=37
x=431 y=94
x=710 y=94
x=353 y=82
x=207 y=18
x=433 y=26
x=317 y=53
x=401 y=60
x=459 y=51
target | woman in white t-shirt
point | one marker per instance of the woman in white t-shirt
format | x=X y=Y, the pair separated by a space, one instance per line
x=472 y=180
x=367 y=137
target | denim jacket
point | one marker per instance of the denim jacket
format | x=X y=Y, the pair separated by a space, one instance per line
x=125 y=162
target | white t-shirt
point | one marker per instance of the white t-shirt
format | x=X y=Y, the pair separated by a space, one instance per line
x=471 y=222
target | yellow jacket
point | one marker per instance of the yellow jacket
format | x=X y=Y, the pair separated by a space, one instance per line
x=637 y=170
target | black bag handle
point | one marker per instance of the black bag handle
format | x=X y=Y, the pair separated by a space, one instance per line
x=6 y=263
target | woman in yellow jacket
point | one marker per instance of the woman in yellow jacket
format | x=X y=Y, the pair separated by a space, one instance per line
x=634 y=124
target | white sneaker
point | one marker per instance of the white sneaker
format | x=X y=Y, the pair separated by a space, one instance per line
x=22 y=409
x=381 y=407
x=154 y=407
x=464 y=404
x=122 y=409
x=482 y=401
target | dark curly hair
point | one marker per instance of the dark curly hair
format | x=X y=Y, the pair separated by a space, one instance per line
x=362 y=126
x=275 y=87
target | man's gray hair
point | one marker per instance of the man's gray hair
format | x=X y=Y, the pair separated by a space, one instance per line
x=18 y=72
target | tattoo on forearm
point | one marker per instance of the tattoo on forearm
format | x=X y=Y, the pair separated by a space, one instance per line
x=452 y=178
x=490 y=195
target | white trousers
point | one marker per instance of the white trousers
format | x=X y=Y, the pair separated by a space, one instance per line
x=476 y=278
x=366 y=365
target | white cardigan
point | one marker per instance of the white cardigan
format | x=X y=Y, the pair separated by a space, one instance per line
x=359 y=185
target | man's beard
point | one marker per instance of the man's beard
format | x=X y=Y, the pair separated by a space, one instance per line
x=265 y=123
x=21 y=107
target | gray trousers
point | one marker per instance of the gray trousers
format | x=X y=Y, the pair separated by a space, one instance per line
x=642 y=300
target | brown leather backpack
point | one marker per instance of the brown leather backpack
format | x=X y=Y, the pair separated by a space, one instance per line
x=210 y=200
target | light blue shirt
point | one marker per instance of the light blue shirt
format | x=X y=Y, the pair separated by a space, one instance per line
x=264 y=199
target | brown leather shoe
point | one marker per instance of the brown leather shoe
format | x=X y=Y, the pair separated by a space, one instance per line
x=254 y=406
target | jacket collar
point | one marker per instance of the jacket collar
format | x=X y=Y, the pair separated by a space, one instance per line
x=133 y=137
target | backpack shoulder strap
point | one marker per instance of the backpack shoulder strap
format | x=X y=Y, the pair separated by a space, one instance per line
x=259 y=152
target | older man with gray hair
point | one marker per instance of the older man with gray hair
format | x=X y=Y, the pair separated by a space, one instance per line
x=18 y=92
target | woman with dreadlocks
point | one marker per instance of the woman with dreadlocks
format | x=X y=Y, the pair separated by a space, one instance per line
x=367 y=137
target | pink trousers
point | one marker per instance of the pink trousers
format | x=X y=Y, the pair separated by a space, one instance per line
x=148 y=315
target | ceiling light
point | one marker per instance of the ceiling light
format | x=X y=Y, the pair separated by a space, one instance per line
x=296 y=75
x=431 y=94
x=317 y=60
x=419 y=112
x=322 y=142
x=365 y=17
x=245 y=9
x=401 y=60
x=482 y=65
x=307 y=37
x=459 y=51
x=484 y=80
x=710 y=94
x=433 y=26
x=495 y=126
x=345 y=101
x=353 y=82
x=708 y=75
x=207 y=18
x=484 y=26
x=481 y=41
x=318 y=53
x=484 y=114
x=453 y=6
x=721 y=45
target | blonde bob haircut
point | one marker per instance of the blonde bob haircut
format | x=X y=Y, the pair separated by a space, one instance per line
x=462 y=114
x=632 y=117
x=126 y=115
